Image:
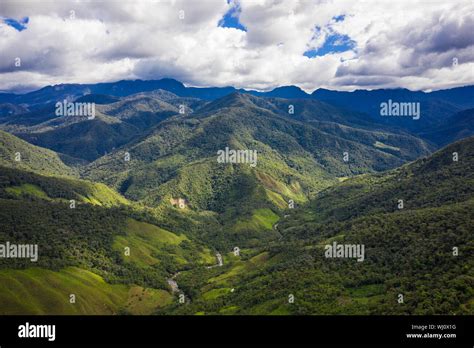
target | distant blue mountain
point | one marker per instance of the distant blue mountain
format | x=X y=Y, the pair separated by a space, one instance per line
x=463 y=96
x=287 y=92
x=122 y=88
x=369 y=101
x=435 y=106
x=329 y=110
x=360 y=99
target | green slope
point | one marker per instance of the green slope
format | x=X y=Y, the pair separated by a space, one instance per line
x=428 y=182
x=16 y=183
x=87 y=139
x=16 y=153
x=150 y=245
x=40 y=291
x=116 y=123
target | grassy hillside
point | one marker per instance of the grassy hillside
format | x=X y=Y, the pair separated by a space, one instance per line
x=152 y=246
x=16 y=153
x=40 y=291
x=19 y=184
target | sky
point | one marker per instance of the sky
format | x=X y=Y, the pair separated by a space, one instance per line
x=251 y=44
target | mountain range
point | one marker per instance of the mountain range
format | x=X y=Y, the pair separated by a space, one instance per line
x=134 y=206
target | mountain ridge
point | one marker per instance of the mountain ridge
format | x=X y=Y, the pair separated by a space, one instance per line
x=120 y=88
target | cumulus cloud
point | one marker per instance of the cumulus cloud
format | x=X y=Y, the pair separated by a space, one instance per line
x=416 y=45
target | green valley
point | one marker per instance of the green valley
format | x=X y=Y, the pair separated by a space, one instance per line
x=133 y=213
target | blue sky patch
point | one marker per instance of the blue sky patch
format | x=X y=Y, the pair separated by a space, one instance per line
x=339 y=18
x=231 y=18
x=17 y=24
x=334 y=43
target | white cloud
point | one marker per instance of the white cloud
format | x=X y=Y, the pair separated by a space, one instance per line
x=398 y=44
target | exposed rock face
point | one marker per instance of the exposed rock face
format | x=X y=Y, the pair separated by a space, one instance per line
x=179 y=202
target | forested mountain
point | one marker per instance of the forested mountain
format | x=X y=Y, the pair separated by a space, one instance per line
x=116 y=122
x=421 y=251
x=295 y=157
x=435 y=107
x=135 y=205
x=17 y=153
x=455 y=127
